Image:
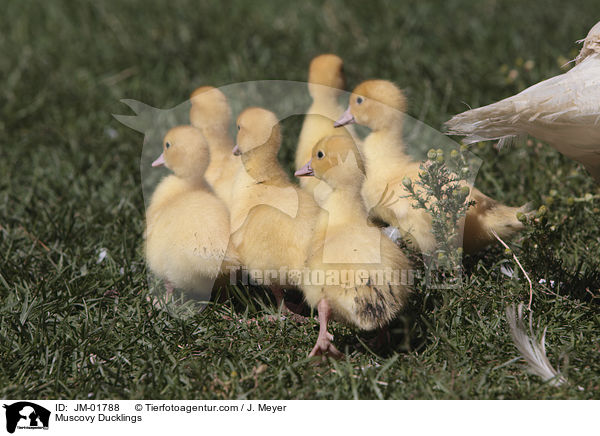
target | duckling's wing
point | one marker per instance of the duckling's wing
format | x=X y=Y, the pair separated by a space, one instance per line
x=284 y=200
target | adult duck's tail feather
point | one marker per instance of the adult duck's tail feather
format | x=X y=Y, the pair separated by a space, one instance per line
x=496 y=121
x=533 y=352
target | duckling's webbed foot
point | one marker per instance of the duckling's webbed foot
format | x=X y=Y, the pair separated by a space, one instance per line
x=324 y=346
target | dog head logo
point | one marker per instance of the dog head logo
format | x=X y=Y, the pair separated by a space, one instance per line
x=26 y=415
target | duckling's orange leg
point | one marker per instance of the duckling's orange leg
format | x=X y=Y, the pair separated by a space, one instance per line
x=324 y=346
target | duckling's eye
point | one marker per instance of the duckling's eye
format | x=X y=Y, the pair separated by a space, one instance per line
x=167 y=145
x=320 y=154
x=359 y=100
x=239 y=127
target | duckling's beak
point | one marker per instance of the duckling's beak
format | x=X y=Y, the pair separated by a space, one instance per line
x=346 y=118
x=236 y=151
x=305 y=171
x=160 y=161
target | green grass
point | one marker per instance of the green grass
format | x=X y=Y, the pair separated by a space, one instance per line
x=71 y=327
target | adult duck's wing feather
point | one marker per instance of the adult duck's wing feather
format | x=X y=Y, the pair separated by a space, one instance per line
x=563 y=111
x=569 y=100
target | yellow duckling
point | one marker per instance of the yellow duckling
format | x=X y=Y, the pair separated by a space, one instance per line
x=325 y=83
x=187 y=227
x=380 y=105
x=272 y=220
x=362 y=273
x=211 y=114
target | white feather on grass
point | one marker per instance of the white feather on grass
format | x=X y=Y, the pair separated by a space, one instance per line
x=534 y=353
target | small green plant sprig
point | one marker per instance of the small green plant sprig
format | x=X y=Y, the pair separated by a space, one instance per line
x=443 y=192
